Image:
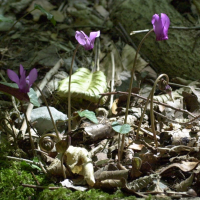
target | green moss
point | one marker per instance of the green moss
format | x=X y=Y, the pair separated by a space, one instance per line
x=93 y=194
x=58 y=194
x=13 y=174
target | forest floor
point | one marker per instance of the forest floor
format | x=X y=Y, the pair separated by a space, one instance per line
x=86 y=158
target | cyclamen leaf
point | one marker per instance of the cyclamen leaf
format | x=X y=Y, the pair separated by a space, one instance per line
x=33 y=97
x=85 y=85
x=123 y=129
x=49 y=16
x=12 y=89
x=88 y=114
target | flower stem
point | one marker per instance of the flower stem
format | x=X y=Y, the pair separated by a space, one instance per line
x=151 y=109
x=69 y=90
x=29 y=132
x=120 y=151
x=142 y=116
x=45 y=101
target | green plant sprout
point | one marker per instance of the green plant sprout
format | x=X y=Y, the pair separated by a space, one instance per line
x=89 y=115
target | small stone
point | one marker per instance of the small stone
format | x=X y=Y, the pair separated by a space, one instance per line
x=43 y=121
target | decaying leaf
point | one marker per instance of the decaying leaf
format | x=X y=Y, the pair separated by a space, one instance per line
x=69 y=184
x=84 y=85
x=135 y=146
x=114 y=106
x=62 y=145
x=112 y=175
x=101 y=158
x=141 y=183
x=111 y=183
x=55 y=168
x=178 y=137
x=129 y=156
x=184 y=166
x=136 y=165
x=79 y=162
x=184 y=185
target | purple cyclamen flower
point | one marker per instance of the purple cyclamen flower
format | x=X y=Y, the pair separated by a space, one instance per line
x=160 y=25
x=23 y=82
x=85 y=41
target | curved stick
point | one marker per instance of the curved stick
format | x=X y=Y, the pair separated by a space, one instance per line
x=151 y=109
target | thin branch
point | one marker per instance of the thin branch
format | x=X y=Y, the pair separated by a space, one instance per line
x=41 y=187
x=138 y=96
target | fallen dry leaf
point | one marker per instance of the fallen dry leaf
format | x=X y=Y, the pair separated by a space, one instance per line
x=37 y=13
x=184 y=166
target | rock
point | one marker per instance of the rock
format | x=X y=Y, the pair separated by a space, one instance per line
x=43 y=120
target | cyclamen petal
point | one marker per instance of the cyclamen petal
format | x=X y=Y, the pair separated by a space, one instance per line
x=85 y=41
x=80 y=37
x=32 y=76
x=22 y=71
x=94 y=35
x=24 y=83
x=13 y=76
x=160 y=25
x=165 y=20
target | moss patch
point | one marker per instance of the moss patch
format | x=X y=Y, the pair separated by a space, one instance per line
x=14 y=173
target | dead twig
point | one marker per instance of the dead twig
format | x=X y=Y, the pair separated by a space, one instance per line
x=41 y=187
x=138 y=96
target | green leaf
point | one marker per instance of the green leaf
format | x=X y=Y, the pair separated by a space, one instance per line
x=123 y=129
x=85 y=85
x=36 y=167
x=49 y=16
x=88 y=114
x=35 y=159
x=5 y=19
x=12 y=89
x=30 y=166
x=33 y=97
